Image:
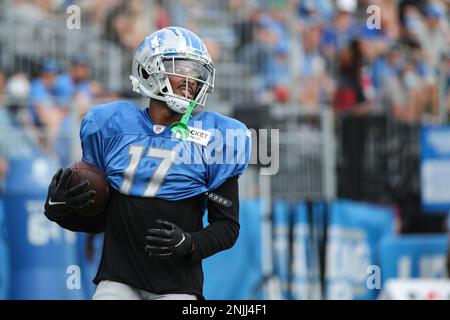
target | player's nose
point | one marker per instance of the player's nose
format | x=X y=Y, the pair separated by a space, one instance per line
x=192 y=83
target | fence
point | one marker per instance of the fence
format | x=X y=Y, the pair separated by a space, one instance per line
x=378 y=158
x=26 y=40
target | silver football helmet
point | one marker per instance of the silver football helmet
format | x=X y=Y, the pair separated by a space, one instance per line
x=172 y=51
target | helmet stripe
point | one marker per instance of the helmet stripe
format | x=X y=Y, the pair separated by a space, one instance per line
x=196 y=44
x=186 y=37
x=173 y=30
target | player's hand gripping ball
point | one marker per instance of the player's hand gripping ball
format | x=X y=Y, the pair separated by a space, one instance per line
x=83 y=171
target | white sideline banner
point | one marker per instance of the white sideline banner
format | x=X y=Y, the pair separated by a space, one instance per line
x=416 y=289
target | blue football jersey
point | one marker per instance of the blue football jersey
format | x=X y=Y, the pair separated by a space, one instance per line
x=142 y=159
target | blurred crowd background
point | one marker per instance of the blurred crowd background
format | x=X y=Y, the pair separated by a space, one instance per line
x=273 y=58
x=286 y=64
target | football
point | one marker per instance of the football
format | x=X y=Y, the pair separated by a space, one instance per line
x=97 y=181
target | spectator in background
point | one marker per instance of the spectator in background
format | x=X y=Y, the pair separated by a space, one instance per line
x=279 y=69
x=339 y=33
x=18 y=93
x=396 y=94
x=94 y=12
x=428 y=28
x=161 y=16
x=265 y=55
x=279 y=13
x=3 y=171
x=31 y=11
x=3 y=164
x=213 y=48
x=434 y=43
x=14 y=97
x=268 y=54
x=65 y=144
x=391 y=95
x=12 y=140
x=177 y=11
x=128 y=22
x=431 y=31
x=116 y=23
x=314 y=11
x=18 y=89
x=279 y=75
x=76 y=90
x=349 y=96
x=46 y=112
x=446 y=85
x=390 y=26
x=76 y=83
x=2 y=88
x=316 y=86
x=418 y=5
x=247 y=49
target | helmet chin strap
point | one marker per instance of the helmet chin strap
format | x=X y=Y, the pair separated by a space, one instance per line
x=177 y=104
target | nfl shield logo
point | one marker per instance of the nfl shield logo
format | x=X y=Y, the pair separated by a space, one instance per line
x=158 y=128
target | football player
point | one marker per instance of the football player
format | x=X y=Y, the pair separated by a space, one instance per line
x=161 y=183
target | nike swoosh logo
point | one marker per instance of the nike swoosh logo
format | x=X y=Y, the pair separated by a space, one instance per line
x=50 y=202
x=182 y=239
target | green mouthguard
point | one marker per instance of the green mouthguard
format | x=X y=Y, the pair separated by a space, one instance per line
x=180 y=129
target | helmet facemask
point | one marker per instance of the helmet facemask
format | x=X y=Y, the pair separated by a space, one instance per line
x=189 y=70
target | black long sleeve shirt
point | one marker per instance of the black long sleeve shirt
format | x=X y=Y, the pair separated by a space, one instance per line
x=126 y=221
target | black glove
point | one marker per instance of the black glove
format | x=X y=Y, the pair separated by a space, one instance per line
x=60 y=201
x=167 y=241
